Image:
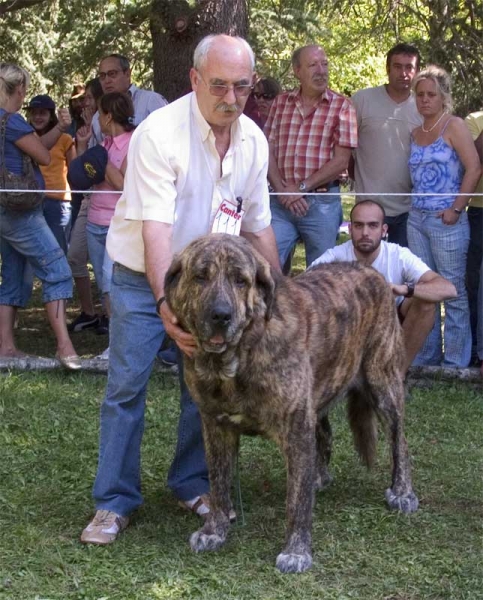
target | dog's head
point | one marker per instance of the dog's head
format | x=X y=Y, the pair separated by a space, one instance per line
x=216 y=286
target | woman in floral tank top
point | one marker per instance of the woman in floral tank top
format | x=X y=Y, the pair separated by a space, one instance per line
x=444 y=165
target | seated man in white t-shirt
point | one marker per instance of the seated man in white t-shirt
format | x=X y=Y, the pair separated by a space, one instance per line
x=416 y=288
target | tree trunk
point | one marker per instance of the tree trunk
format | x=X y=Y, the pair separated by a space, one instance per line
x=176 y=29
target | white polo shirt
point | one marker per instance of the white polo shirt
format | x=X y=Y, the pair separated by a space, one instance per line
x=174 y=176
x=395 y=263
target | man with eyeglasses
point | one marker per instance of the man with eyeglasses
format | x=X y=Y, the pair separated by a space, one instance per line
x=189 y=164
x=311 y=133
x=115 y=76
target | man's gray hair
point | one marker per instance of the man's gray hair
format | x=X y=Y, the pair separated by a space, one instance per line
x=123 y=61
x=11 y=76
x=202 y=49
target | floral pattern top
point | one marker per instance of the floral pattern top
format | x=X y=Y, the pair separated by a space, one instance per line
x=435 y=168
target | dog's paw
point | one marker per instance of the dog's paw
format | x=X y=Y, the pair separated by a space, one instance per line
x=406 y=504
x=200 y=541
x=294 y=563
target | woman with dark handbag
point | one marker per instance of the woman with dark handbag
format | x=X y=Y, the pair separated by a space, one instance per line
x=25 y=237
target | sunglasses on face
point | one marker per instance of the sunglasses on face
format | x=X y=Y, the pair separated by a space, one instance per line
x=258 y=95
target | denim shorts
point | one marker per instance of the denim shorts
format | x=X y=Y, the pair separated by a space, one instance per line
x=26 y=244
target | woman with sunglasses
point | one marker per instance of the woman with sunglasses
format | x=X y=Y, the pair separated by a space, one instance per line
x=264 y=93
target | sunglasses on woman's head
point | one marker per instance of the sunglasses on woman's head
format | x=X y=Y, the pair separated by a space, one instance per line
x=257 y=96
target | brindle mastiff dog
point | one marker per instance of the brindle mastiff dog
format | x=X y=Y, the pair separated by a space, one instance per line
x=273 y=356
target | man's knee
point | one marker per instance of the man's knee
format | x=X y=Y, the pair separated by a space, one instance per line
x=422 y=308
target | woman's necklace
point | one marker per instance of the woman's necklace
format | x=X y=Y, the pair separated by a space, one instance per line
x=433 y=126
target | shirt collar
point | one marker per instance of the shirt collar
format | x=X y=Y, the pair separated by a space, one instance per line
x=296 y=96
x=119 y=141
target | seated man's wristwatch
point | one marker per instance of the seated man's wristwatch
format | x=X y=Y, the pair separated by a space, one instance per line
x=410 y=292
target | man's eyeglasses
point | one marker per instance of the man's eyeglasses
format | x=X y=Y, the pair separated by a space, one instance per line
x=220 y=90
x=257 y=96
x=112 y=74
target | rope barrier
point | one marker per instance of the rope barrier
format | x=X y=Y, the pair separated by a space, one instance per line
x=342 y=193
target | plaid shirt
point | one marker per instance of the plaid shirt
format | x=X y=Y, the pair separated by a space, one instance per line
x=302 y=145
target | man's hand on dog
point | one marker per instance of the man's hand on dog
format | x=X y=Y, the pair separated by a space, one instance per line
x=185 y=341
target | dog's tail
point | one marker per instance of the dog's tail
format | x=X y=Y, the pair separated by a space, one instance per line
x=363 y=423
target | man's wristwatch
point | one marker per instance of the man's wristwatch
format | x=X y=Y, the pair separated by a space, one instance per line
x=410 y=292
x=302 y=186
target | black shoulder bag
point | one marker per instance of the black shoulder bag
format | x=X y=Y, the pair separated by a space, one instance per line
x=24 y=199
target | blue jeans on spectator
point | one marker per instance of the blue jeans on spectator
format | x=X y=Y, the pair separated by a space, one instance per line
x=26 y=244
x=397 y=232
x=479 y=327
x=101 y=263
x=318 y=228
x=444 y=248
x=136 y=333
x=57 y=214
x=473 y=265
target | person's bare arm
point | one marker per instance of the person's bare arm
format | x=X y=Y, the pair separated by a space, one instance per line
x=460 y=138
x=331 y=170
x=70 y=154
x=50 y=138
x=31 y=145
x=158 y=256
x=264 y=242
x=479 y=146
x=274 y=174
x=431 y=287
x=114 y=176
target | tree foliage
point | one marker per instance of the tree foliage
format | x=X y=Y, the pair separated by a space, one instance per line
x=60 y=41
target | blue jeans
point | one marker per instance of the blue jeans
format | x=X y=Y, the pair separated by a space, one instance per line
x=444 y=248
x=474 y=282
x=318 y=228
x=135 y=336
x=57 y=214
x=397 y=231
x=26 y=244
x=100 y=260
x=479 y=327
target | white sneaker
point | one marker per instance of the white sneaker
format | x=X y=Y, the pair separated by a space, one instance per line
x=104 y=528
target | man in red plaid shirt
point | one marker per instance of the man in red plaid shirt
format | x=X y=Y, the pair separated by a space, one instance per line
x=311 y=134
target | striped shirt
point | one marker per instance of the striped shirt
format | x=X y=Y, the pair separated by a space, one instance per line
x=303 y=144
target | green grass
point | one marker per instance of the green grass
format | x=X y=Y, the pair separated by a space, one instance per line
x=48 y=450
x=48 y=445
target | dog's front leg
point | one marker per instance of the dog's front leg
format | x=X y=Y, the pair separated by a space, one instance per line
x=300 y=457
x=221 y=445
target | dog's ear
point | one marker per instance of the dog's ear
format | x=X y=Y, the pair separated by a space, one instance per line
x=266 y=283
x=173 y=275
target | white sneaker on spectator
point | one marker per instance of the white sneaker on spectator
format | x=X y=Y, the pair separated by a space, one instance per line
x=104 y=528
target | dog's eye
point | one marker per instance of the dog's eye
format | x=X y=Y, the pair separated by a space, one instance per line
x=200 y=279
x=240 y=281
